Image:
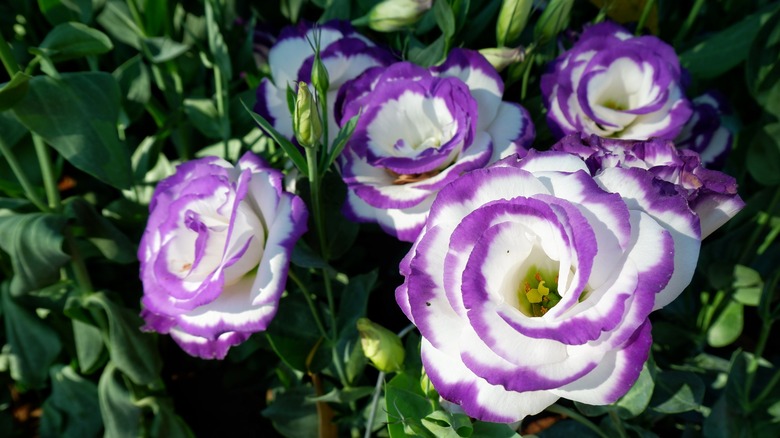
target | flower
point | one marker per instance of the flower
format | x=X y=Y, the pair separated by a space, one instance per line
x=705 y=132
x=711 y=194
x=381 y=346
x=613 y=84
x=392 y=15
x=215 y=252
x=419 y=129
x=344 y=52
x=532 y=280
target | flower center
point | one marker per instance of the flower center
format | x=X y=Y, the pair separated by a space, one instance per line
x=538 y=292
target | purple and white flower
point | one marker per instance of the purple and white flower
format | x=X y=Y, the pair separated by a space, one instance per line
x=613 y=84
x=215 y=252
x=420 y=129
x=711 y=194
x=705 y=131
x=532 y=281
x=344 y=52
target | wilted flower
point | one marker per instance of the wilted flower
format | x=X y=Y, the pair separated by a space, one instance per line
x=419 y=129
x=381 y=346
x=533 y=280
x=712 y=195
x=215 y=252
x=613 y=84
x=705 y=131
x=392 y=15
x=344 y=52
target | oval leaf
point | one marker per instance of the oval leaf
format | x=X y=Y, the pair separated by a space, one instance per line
x=74 y=40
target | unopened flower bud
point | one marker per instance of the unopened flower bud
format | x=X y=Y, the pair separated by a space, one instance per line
x=319 y=76
x=512 y=20
x=554 y=19
x=503 y=57
x=306 y=118
x=427 y=387
x=392 y=15
x=381 y=346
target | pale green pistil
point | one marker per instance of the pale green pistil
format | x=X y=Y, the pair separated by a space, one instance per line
x=538 y=293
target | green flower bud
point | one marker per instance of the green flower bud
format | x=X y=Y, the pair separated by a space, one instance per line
x=503 y=57
x=319 y=76
x=554 y=19
x=512 y=20
x=381 y=346
x=392 y=15
x=306 y=118
x=427 y=387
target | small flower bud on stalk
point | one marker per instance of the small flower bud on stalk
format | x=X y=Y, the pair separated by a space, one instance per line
x=319 y=76
x=381 y=346
x=503 y=57
x=554 y=19
x=392 y=15
x=512 y=20
x=306 y=118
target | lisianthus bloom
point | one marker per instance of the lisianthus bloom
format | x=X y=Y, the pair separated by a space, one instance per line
x=711 y=194
x=215 y=252
x=419 y=129
x=344 y=52
x=533 y=280
x=705 y=132
x=613 y=84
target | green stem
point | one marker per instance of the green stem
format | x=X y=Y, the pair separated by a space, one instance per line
x=29 y=189
x=768 y=388
x=558 y=409
x=643 y=18
x=374 y=404
x=47 y=171
x=757 y=231
x=686 y=27
x=527 y=76
x=77 y=263
x=221 y=98
x=618 y=424
x=310 y=302
x=9 y=62
x=757 y=353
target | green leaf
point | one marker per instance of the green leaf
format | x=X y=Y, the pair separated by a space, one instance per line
x=33 y=344
x=346 y=395
x=291 y=414
x=121 y=417
x=427 y=56
x=722 y=51
x=484 y=429
x=763 y=157
x=747 y=285
x=217 y=46
x=60 y=11
x=305 y=257
x=677 y=391
x=290 y=149
x=99 y=231
x=341 y=140
x=293 y=335
x=77 y=115
x=73 y=40
x=161 y=49
x=763 y=65
x=34 y=243
x=445 y=424
x=445 y=19
x=635 y=401
x=166 y=423
x=133 y=79
x=132 y=351
x=406 y=404
x=354 y=300
x=728 y=326
x=205 y=118
x=90 y=351
x=14 y=90
x=116 y=20
x=73 y=404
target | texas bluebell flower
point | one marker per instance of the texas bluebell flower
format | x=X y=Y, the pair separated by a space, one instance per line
x=711 y=194
x=215 y=252
x=705 y=132
x=344 y=52
x=419 y=129
x=613 y=84
x=533 y=280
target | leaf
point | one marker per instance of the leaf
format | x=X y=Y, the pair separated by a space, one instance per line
x=722 y=51
x=90 y=351
x=74 y=402
x=484 y=429
x=121 y=417
x=133 y=79
x=341 y=140
x=291 y=414
x=346 y=395
x=294 y=336
x=33 y=344
x=132 y=351
x=677 y=391
x=217 y=46
x=116 y=20
x=205 y=118
x=747 y=285
x=112 y=243
x=161 y=49
x=354 y=300
x=60 y=11
x=728 y=326
x=763 y=157
x=635 y=401
x=427 y=56
x=405 y=403
x=290 y=149
x=445 y=19
x=34 y=243
x=73 y=40
x=763 y=65
x=305 y=257
x=77 y=115
x=14 y=90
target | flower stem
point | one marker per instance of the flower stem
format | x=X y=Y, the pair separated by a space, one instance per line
x=686 y=27
x=618 y=424
x=7 y=57
x=47 y=171
x=307 y=296
x=16 y=168
x=558 y=409
x=758 y=231
x=643 y=18
x=374 y=404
